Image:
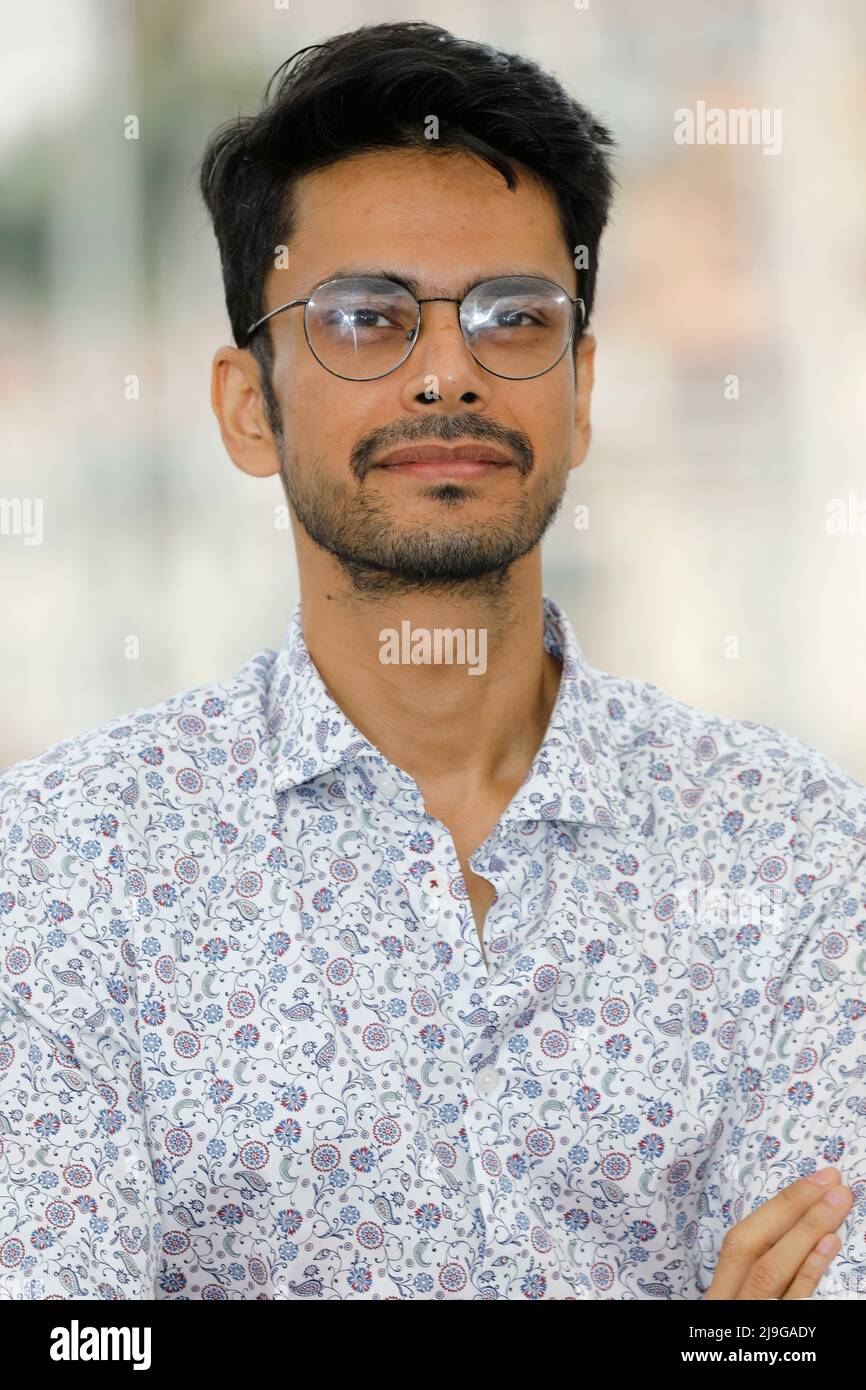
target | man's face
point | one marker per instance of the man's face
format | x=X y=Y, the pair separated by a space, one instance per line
x=442 y=221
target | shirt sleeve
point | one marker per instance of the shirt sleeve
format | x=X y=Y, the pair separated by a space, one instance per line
x=797 y=1090
x=78 y=1216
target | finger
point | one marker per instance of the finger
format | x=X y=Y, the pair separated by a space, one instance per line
x=772 y=1274
x=813 y=1268
x=747 y=1241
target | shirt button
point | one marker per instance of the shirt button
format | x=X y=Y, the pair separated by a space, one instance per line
x=433 y=884
x=487 y=1081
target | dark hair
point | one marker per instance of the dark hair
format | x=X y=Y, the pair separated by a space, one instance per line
x=374 y=88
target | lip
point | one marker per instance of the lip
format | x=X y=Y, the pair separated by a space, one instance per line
x=436 y=460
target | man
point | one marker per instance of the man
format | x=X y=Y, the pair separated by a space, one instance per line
x=420 y=959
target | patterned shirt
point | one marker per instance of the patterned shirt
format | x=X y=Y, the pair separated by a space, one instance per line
x=250 y=1046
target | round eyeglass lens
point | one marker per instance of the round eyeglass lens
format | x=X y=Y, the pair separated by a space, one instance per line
x=517 y=326
x=362 y=327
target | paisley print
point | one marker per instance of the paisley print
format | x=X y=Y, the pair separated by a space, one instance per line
x=250 y=1046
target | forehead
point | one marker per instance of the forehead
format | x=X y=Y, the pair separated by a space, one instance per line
x=447 y=215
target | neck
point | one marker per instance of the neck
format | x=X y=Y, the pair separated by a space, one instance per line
x=457 y=728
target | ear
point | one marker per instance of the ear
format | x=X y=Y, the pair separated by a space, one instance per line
x=238 y=404
x=584 y=380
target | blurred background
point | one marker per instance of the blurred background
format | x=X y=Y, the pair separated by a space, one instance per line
x=707 y=566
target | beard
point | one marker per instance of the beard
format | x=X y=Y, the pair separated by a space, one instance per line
x=382 y=555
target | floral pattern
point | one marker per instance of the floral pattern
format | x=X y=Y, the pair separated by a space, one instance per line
x=250 y=1046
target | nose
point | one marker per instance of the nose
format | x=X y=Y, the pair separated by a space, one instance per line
x=440 y=371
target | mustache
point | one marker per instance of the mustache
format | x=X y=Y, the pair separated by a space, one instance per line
x=442 y=429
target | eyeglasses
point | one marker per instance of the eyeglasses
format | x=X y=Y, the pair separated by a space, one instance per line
x=363 y=327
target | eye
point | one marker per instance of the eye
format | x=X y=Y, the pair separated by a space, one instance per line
x=507 y=318
x=359 y=318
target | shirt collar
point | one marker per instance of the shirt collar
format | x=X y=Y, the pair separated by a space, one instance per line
x=575 y=775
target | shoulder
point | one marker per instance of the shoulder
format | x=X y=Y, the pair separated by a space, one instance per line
x=107 y=763
x=74 y=818
x=767 y=814
x=702 y=754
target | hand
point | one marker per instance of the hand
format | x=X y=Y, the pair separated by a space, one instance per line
x=773 y=1252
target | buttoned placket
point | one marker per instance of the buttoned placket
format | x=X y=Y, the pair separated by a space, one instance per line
x=433 y=897
x=432 y=885
x=489 y=1083
x=434 y=892
x=445 y=913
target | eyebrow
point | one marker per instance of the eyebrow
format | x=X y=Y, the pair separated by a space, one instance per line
x=413 y=285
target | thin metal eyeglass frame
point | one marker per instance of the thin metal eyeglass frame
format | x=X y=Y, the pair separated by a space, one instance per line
x=435 y=299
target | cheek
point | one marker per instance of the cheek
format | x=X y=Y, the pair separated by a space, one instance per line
x=550 y=424
x=341 y=411
x=547 y=411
